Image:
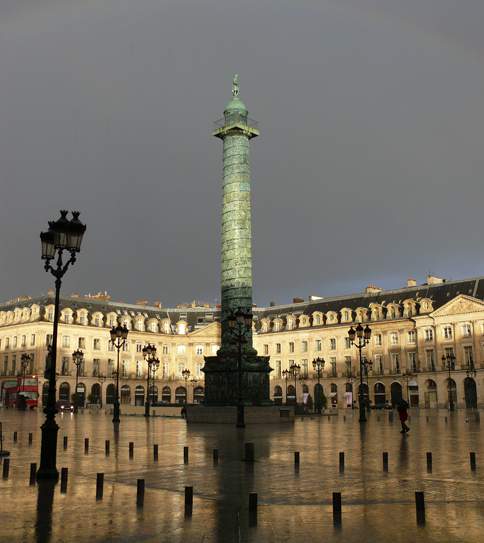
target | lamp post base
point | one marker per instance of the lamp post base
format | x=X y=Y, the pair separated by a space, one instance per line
x=48 y=452
x=147 y=409
x=116 y=412
x=240 y=416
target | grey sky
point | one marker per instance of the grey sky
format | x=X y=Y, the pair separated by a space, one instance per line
x=369 y=167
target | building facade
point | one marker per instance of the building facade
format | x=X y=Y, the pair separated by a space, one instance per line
x=413 y=328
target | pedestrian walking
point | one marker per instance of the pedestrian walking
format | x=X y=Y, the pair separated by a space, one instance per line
x=402 y=409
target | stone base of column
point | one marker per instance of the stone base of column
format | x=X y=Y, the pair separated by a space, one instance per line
x=221 y=380
x=227 y=414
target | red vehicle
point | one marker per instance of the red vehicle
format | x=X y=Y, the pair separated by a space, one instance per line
x=21 y=392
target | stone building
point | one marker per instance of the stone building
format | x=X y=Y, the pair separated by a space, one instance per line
x=412 y=329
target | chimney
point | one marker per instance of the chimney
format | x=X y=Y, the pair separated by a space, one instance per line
x=297 y=300
x=373 y=289
x=434 y=280
x=411 y=282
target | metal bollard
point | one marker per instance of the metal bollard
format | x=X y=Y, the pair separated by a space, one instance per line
x=188 y=501
x=420 y=508
x=253 y=502
x=385 y=461
x=215 y=456
x=106 y=447
x=337 y=508
x=155 y=452
x=33 y=471
x=185 y=455
x=249 y=452
x=131 y=449
x=30 y=438
x=429 y=462
x=344 y=418
x=427 y=419
x=6 y=468
x=65 y=442
x=64 y=473
x=99 y=486
x=140 y=492
x=445 y=420
x=15 y=437
x=341 y=462
x=472 y=458
x=296 y=460
x=86 y=445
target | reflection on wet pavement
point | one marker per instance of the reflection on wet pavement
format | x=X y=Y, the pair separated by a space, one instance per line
x=293 y=504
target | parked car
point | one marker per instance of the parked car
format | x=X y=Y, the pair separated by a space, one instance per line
x=64 y=406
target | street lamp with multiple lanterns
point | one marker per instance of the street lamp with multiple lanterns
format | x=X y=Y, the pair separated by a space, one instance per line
x=119 y=337
x=295 y=370
x=25 y=361
x=63 y=236
x=318 y=365
x=360 y=337
x=149 y=353
x=448 y=361
x=240 y=322
x=78 y=359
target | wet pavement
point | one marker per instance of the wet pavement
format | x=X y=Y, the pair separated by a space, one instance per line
x=293 y=505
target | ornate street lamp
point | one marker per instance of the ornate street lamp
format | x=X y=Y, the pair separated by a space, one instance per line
x=25 y=361
x=149 y=353
x=285 y=376
x=78 y=359
x=318 y=365
x=448 y=361
x=119 y=336
x=240 y=322
x=63 y=235
x=360 y=337
x=295 y=370
x=186 y=375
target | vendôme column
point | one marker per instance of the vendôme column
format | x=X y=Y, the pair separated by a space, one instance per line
x=236 y=130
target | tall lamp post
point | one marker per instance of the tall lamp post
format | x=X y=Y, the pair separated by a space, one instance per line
x=295 y=369
x=406 y=375
x=239 y=323
x=360 y=338
x=186 y=375
x=78 y=359
x=285 y=375
x=119 y=336
x=149 y=353
x=25 y=361
x=63 y=235
x=448 y=361
x=318 y=365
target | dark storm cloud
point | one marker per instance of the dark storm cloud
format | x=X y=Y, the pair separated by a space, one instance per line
x=369 y=167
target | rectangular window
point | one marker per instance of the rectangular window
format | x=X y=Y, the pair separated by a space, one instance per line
x=81 y=343
x=378 y=340
x=181 y=349
x=96 y=345
x=429 y=334
x=138 y=369
x=66 y=342
x=447 y=332
x=278 y=369
x=48 y=339
x=165 y=370
x=110 y=345
x=304 y=346
x=24 y=341
x=15 y=342
x=32 y=340
x=139 y=348
x=125 y=346
x=347 y=343
x=394 y=338
x=14 y=365
x=332 y=361
x=468 y=358
x=164 y=349
x=466 y=330
x=319 y=345
x=110 y=370
x=5 y=365
x=379 y=364
x=7 y=343
x=395 y=363
x=96 y=367
x=124 y=368
x=412 y=362
x=332 y=344
x=348 y=368
x=411 y=337
x=430 y=359
x=266 y=349
x=199 y=350
x=278 y=348
x=291 y=346
x=304 y=368
x=65 y=365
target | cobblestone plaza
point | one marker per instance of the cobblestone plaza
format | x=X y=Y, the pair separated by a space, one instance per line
x=293 y=504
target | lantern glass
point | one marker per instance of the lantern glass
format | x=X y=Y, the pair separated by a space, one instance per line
x=124 y=332
x=367 y=332
x=75 y=233
x=48 y=247
x=359 y=331
x=60 y=229
x=352 y=334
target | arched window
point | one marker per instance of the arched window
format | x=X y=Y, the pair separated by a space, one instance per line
x=278 y=395
x=96 y=393
x=81 y=394
x=198 y=394
x=181 y=395
x=291 y=395
x=125 y=394
x=153 y=394
x=166 y=394
x=64 y=392
x=110 y=394
x=380 y=395
x=139 y=395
